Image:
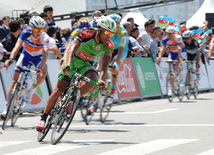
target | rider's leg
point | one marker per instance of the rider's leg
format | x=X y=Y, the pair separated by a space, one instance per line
x=15 y=79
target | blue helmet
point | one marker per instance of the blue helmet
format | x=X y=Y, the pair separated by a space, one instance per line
x=83 y=22
x=115 y=17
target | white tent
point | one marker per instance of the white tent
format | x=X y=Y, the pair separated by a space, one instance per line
x=138 y=18
x=199 y=17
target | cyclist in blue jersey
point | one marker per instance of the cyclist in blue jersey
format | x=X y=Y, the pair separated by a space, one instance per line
x=121 y=41
x=35 y=44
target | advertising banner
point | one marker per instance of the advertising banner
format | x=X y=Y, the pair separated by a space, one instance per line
x=210 y=73
x=2 y=97
x=127 y=85
x=40 y=96
x=147 y=77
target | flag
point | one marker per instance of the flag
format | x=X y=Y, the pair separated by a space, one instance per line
x=166 y=21
x=177 y=29
x=203 y=38
x=197 y=34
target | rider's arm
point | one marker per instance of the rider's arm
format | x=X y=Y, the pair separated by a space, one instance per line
x=179 y=51
x=211 y=50
x=74 y=47
x=16 y=49
x=44 y=57
x=105 y=63
x=123 y=41
x=162 y=50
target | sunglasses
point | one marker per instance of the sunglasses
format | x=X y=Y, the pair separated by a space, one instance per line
x=108 y=33
x=38 y=30
x=187 y=38
x=170 y=34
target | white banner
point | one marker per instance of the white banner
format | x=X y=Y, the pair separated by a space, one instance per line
x=2 y=97
x=210 y=72
x=39 y=98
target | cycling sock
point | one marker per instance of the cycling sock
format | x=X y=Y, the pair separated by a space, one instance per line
x=44 y=116
x=113 y=91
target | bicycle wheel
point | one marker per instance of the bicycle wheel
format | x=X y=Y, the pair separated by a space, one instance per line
x=10 y=108
x=169 y=88
x=187 y=87
x=42 y=133
x=195 y=90
x=17 y=110
x=180 y=92
x=85 y=112
x=63 y=118
x=104 y=111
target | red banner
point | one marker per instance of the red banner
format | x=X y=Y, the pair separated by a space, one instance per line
x=127 y=85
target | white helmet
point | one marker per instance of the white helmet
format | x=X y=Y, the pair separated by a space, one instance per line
x=170 y=29
x=187 y=34
x=37 y=21
x=106 y=23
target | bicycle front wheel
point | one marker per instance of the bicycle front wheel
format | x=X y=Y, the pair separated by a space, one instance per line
x=169 y=88
x=17 y=110
x=64 y=118
x=42 y=133
x=10 y=108
x=181 y=88
x=195 y=89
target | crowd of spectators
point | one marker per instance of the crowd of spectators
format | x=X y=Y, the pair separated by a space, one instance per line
x=144 y=44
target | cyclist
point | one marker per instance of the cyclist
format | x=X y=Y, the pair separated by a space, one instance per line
x=174 y=44
x=121 y=41
x=89 y=43
x=192 y=49
x=35 y=49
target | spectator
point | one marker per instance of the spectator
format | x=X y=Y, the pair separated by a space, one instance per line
x=4 y=30
x=49 y=11
x=22 y=23
x=53 y=50
x=154 y=42
x=133 y=40
x=75 y=22
x=95 y=15
x=9 y=42
x=144 y=38
x=44 y=16
x=127 y=26
x=131 y=20
x=66 y=33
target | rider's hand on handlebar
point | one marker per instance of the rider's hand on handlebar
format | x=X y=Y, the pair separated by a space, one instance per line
x=8 y=62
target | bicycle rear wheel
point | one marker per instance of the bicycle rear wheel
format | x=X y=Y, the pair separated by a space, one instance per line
x=195 y=90
x=10 y=108
x=104 y=111
x=42 y=133
x=169 y=88
x=64 y=118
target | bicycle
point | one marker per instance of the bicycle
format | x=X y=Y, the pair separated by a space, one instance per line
x=17 y=97
x=174 y=82
x=89 y=107
x=192 y=80
x=62 y=116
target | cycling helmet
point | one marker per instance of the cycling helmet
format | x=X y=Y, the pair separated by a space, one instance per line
x=170 y=29
x=116 y=17
x=107 y=23
x=37 y=21
x=187 y=34
x=83 y=22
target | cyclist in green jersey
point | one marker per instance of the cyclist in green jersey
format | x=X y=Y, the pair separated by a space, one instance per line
x=88 y=44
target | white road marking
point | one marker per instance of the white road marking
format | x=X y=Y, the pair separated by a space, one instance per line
x=8 y=143
x=149 y=147
x=209 y=152
x=47 y=150
x=152 y=112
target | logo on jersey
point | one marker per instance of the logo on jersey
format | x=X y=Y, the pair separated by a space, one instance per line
x=85 y=56
x=88 y=33
x=111 y=50
x=109 y=44
x=81 y=36
x=98 y=48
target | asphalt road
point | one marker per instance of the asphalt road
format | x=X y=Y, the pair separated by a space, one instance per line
x=154 y=127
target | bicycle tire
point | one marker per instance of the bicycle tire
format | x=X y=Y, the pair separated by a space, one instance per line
x=180 y=89
x=59 y=130
x=187 y=87
x=195 y=90
x=168 y=87
x=86 y=115
x=42 y=133
x=104 y=111
x=10 y=107
x=16 y=112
